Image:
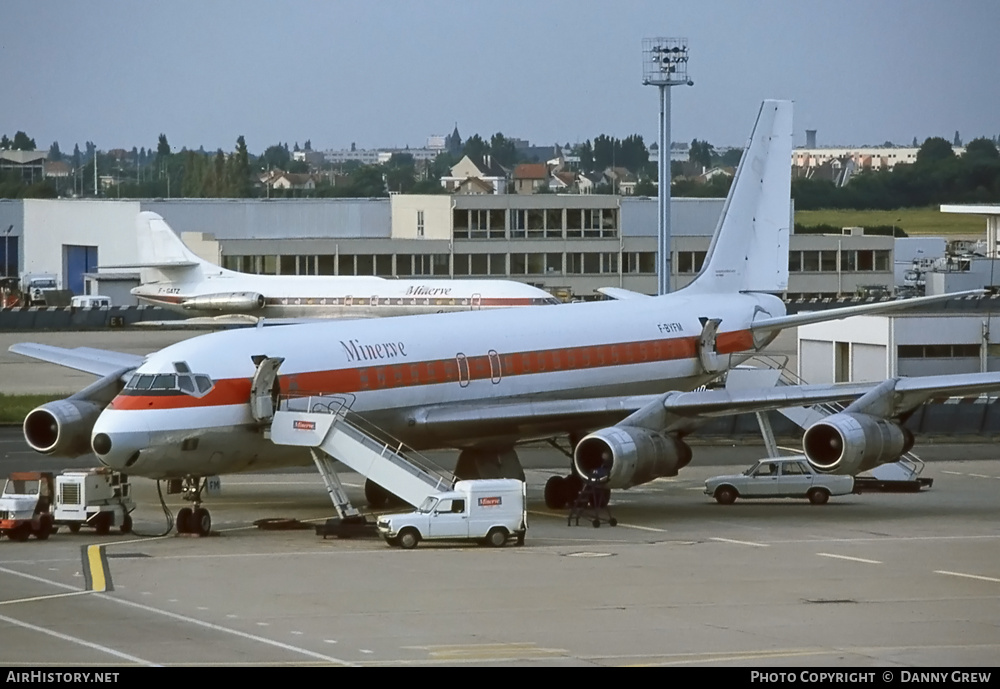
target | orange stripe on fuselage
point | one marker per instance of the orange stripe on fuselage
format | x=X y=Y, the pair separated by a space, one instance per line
x=482 y=367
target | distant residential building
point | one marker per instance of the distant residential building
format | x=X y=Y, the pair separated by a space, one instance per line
x=279 y=179
x=712 y=173
x=622 y=180
x=864 y=158
x=485 y=169
x=528 y=178
x=57 y=168
x=313 y=159
x=679 y=152
x=376 y=156
x=564 y=182
x=473 y=186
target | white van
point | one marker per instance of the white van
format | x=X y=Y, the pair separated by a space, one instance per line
x=489 y=511
x=89 y=301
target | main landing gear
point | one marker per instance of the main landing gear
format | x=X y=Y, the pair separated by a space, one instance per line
x=193 y=520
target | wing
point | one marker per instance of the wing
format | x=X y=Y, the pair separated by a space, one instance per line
x=908 y=394
x=100 y=362
x=676 y=411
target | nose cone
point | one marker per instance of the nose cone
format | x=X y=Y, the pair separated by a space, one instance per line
x=118 y=439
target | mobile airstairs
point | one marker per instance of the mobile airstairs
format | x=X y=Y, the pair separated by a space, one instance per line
x=327 y=427
x=766 y=371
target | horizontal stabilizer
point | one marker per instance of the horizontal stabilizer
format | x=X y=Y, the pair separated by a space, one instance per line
x=619 y=293
x=824 y=315
x=162 y=265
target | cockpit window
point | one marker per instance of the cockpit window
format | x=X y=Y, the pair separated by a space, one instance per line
x=164 y=381
x=181 y=383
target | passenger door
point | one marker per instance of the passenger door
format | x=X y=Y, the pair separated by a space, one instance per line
x=449 y=519
x=796 y=479
x=264 y=388
x=764 y=480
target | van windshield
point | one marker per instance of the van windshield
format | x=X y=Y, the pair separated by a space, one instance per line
x=427 y=505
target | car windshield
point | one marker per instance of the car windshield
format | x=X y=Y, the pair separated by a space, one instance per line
x=20 y=487
x=427 y=505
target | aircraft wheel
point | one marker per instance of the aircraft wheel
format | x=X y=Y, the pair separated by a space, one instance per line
x=555 y=493
x=408 y=538
x=202 y=522
x=726 y=495
x=496 y=538
x=184 y=516
x=819 y=496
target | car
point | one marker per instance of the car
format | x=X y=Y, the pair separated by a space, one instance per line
x=779 y=477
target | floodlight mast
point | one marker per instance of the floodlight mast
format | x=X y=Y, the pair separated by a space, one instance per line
x=664 y=64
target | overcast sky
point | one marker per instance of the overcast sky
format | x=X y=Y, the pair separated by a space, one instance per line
x=391 y=73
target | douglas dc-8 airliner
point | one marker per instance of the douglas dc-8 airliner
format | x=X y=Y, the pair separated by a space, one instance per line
x=172 y=276
x=619 y=377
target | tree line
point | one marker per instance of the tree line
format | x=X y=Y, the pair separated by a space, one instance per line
x=937 y=176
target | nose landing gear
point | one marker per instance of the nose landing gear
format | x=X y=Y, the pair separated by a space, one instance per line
x=194 y=520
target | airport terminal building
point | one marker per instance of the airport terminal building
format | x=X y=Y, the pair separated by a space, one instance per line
x=568 y=244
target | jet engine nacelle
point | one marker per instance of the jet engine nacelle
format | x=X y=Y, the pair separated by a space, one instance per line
x=630 y=455
x=852 y=443
x=230 y=302
x=61 y=428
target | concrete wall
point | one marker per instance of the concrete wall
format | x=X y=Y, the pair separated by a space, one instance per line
x=436 y=209
x=276 y=219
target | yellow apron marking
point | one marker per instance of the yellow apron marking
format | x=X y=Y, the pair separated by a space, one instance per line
x=94 y=564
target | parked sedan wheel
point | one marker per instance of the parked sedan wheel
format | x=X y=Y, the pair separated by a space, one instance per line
x=408 y=538
x=725 y=495
x=819 y=496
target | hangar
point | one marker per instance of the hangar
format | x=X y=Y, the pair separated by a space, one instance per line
x=956 y=338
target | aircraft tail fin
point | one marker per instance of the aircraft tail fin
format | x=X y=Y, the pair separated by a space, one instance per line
x=749 y=252
x=162 y=254
x=159 y=247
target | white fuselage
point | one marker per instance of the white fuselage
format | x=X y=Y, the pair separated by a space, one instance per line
x=314 y=296
x=397 y=370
